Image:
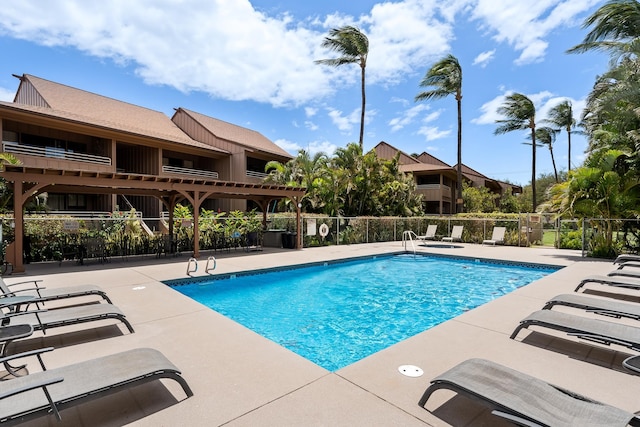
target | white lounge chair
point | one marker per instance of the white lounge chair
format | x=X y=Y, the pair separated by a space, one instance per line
x=456 y=234
x=497 y=237
x=431 y=232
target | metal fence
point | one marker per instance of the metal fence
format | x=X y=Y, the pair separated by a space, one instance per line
x=48 y=235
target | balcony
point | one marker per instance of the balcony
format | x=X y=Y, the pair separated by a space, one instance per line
x=190 y=172
x=255 y=174
x=433 y=187
x=434 y=192
x=53 y=152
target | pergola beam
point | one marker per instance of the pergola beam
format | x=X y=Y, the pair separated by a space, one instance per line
x=28 y=182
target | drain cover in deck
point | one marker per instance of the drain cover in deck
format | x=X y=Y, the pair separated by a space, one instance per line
x=410 y=371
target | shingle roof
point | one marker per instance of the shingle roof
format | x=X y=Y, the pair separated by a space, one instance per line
x=423 y=167
x=78 y=105
x=237 y=134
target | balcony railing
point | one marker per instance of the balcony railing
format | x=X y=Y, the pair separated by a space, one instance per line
x=433 y=187
x=58 y=153
x=190 y=172
x=255 y=174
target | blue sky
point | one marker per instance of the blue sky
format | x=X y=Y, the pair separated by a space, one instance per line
x=251 y=63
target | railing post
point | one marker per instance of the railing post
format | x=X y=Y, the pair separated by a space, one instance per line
x=584 y=234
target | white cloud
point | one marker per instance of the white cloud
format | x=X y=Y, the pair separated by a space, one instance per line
x=310 y=125
x=489 y=111
x=7 y=94
x=203 y=45
x=406 y=35
x=432 y=116
x=288 y=146
x=432 y=133
x=406 y=117
x=322 y=146
x=524 y=25
x=543 y=101
x=344 y=123
x=232 y=51
x=312 y=148
x=310 y=112
x=484 y=58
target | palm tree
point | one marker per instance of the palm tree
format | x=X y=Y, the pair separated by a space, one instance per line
x=561 y=116
x=547 y=136
x=520 y=114
x=446 y=78
x=616 y=28
x=353 y=47
x=605 y=187
x=5 y=193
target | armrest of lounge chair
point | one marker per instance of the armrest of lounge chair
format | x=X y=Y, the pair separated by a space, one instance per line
x=36 y=352
x=36 y=287
x=34 y=281
x=41 y=384
x=16 y=301
x=602 y=340
x=15 y=291
x=17 y=314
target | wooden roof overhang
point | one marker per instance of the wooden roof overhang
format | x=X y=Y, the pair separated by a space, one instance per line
x=27 y=182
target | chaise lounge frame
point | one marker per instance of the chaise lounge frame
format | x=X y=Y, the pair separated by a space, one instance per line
x=523 y=399
x=51 y=391
x=595 y=330
x=43 y=294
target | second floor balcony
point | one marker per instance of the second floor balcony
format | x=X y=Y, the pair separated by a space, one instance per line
x=53 y=152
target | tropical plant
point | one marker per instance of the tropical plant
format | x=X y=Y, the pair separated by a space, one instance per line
x=350 y=183
x=5 y=193
x=445 y=76
x=606 y=187
x=561 y=116
x=353 y=47
x=302 y=171
x=616 y=29
x=520 y=114
x=479 y=199
x=547 y=136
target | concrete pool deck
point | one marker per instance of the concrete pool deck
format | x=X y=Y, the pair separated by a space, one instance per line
x=242 y=379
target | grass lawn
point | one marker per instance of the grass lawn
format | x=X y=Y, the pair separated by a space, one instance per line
x=549 y=238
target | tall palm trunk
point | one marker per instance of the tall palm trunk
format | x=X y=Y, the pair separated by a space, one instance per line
x=533 y=165
x=362 y=110
x=569 y=144
x=459 y=203
x=553 y=162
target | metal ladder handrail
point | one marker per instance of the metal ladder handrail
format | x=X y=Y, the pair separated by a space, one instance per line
x=195 y=263
x=408 y=235
x=207 y=268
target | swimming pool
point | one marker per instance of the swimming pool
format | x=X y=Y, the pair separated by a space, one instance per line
x=336 y=314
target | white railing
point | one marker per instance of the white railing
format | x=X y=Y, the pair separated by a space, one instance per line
x=432 y=187
x=255 y=174
x=60 y=153
x=90 y=214
x=191 y=172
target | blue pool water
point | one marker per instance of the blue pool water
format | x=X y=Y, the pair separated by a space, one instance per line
x=337 y=314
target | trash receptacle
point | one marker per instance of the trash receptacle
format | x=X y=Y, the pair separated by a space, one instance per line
x=289 y=240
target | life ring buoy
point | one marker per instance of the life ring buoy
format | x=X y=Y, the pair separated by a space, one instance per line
x=324 y=230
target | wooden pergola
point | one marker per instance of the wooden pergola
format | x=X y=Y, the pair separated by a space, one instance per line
x=28 y=182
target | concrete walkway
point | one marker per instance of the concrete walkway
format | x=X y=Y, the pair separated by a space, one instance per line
x=242 y=379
